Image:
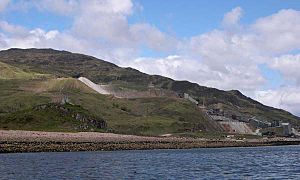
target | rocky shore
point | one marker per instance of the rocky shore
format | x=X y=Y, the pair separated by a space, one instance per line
x=35 y=141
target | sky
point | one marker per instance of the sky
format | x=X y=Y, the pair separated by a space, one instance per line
x=251 y=46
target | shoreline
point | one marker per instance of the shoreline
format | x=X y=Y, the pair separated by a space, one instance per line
x=15 y=141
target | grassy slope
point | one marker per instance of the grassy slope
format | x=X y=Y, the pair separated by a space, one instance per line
x=66 y=84
x=11 y=72
x=20 y=95
x=149 y=116
x=53 y=117
x=65 y=64
x=50 y=119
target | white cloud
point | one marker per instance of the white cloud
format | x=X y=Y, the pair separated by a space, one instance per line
x=63 y=7
x=106 y=22
x=288 y=66
x=12 y=29
x=100 y=27
x=28 y=38
x=284 y=98
x=224 y=47
x=232 y=18
x=108 y=6
x=247 y=78
x=278 y=33
x=4 y=4
x=152 y=37
x=73 y=7
x=104 y=19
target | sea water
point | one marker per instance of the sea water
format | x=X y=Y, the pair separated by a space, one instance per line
x=281 y=162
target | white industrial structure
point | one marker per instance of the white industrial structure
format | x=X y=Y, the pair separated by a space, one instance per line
x=188 y=97
x=287 y=129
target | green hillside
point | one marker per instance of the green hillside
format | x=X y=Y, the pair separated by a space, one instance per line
x=19 y=100
x=11 y=72
x=144 y=116
x=53 y=117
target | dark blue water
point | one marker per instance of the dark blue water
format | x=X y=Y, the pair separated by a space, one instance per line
x=223 y=163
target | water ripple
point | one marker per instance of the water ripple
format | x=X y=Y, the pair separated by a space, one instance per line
x=222 y=163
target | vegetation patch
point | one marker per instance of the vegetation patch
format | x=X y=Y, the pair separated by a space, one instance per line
x=53 y=117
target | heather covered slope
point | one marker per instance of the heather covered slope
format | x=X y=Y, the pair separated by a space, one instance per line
x=137 y=115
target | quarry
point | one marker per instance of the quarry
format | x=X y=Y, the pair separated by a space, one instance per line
x=232 y=123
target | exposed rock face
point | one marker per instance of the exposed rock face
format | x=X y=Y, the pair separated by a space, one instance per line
x=98 y=124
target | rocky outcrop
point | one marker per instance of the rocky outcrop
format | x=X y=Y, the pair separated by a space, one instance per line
x=87 y=122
